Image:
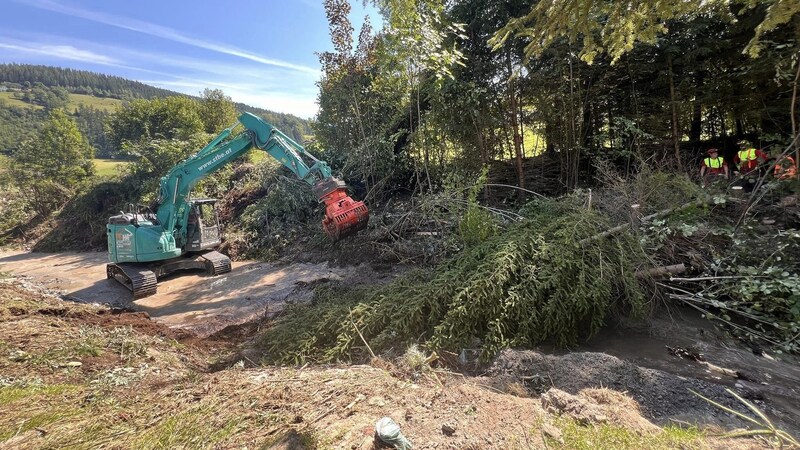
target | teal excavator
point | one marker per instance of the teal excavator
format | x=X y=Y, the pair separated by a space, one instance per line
x=178 y=232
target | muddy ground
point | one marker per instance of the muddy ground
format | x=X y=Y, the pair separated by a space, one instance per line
x=85 y=376
x=507 y=406
x=201 y=304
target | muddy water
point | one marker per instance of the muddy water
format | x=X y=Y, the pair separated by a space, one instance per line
x=192 y=301
x=773 y=379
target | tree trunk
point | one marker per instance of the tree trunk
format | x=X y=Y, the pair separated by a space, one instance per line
x=517 y=140
x=515 y=126
x=794 y=120
x=697 y=112
x=610 y=128
x=425 y=150
x=675 y=140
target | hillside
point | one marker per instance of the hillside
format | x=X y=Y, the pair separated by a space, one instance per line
x=27 y=91
x=100 y=85
x=79 y=81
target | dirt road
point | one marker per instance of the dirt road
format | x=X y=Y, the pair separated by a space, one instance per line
x=191 y=301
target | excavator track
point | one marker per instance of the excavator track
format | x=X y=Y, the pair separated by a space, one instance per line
x=139 y=280
x=217 y=263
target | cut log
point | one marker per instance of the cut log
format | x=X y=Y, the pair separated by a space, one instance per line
x=663 y=271
x=658 y=215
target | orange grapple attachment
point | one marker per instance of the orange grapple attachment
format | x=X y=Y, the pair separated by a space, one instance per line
x=343 y=215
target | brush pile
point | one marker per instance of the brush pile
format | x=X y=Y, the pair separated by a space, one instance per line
x=531 y=283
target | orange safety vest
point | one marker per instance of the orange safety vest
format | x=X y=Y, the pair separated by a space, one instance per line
x=715 y=163
x=785 y=168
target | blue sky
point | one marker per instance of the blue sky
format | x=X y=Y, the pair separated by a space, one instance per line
x=261 y=53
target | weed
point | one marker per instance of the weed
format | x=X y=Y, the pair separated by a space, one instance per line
x=126 y=343
x=16 y=392
x=87 y=349
x=589 y=437
x=414 y=361
x=767 y=428
x=181 y=430
x=293 y=439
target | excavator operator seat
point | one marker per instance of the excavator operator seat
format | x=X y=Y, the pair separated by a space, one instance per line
x=202 y=228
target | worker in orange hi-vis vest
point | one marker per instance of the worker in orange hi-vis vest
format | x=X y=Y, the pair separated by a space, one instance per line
x=748 y=158
x=713 y=167
x=785 y=168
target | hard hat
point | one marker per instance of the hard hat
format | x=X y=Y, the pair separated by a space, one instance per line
x=743 y=142
x=712 y=150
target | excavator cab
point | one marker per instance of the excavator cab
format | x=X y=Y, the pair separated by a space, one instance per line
x=202 y=227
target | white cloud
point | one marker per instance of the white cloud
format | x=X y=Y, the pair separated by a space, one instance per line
x=161 y=32
x=61 y=51
x=301 y=104
x=277 y=89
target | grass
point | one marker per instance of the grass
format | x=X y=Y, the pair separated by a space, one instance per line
x=581 y=437
x=35 y=422
x=17 y=422
x=75 y=100
x=11 y=394
x=105 y=104
x=9 y=99
x=181 y=430
x=108 y=167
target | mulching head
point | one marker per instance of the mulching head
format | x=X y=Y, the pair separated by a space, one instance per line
x=343 y=215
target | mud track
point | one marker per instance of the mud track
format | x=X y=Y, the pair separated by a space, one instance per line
x=194 y=302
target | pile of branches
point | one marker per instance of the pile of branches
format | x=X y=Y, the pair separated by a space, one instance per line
x=532 y=283
x=747 y=278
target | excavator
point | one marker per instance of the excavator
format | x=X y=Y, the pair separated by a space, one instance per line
x=177 y=232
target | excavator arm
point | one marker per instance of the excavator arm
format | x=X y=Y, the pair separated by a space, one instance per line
x=343 y=215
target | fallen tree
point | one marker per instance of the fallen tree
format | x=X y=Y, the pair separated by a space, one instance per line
x=534 y=282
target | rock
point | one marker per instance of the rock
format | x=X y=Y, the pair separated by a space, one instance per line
x=585 y=412
x=448 y=429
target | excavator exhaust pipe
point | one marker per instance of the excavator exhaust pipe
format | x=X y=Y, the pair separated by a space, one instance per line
x=343 y=215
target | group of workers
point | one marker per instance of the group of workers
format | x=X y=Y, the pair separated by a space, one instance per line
x=747 y=161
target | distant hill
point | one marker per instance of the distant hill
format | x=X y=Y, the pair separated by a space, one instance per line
x=110 y=86
x=80 y=81
x=26 y=90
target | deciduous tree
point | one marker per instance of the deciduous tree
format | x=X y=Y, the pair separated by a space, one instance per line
x=50 y=166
